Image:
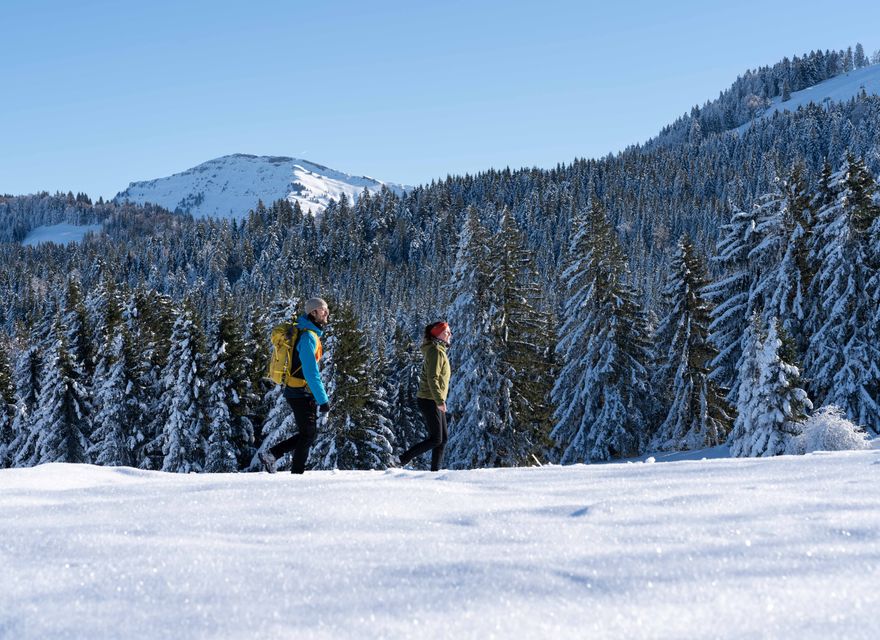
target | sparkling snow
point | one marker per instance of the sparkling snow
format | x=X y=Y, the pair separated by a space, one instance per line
x=59 y=234
x=786 y=547
x=230 y=186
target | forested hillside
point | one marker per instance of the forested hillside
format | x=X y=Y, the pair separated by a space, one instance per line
x=756 y=89
x=713 y=288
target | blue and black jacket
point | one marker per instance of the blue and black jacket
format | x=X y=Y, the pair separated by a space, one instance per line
x=308 y=351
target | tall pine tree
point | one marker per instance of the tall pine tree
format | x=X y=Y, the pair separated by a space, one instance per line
x=7 y=410
x=61 y=421
x=697 y=416
x=475 y=384
x=230 y=398
x=402 y=383
x=731 y=295
x=148 y=319
x=789 y=296
x=523 y=335
x=118 y=404
x=183 y=436
x=27 y=374
x=843 y=356
x=602 y=386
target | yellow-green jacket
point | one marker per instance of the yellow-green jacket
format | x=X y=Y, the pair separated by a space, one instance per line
x=434 y=383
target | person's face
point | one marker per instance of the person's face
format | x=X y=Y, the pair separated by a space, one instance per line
x=446 y=336
x=322 y=314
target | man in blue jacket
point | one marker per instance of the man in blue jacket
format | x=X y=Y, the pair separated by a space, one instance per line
x=304 y=390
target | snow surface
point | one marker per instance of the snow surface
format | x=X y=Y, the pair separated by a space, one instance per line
x=786 y=547
x=837 y=89
x=59 y=234
x=228 y=187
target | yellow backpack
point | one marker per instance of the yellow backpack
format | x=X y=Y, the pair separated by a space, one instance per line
x=284 y=339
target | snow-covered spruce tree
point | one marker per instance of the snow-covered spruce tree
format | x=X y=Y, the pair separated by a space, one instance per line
x=148 y=317
x=136 y=362
x=578 y=315
x=27 y=373
x=6 y=436
x=230 y=398
x=603 y=351
x=770 y=237
x=183 y=436
x=476 y=383
x=101 y=315
x=41 y=334
x=697 y=415
x=402 y=383
x=118 y=405
x=91 y=327
x=221 y=454
x=789 y=281
x=7 y=410
x=524 y=339
x=77 y=335
x=730 y=294
x=61 y=421
x=843 y=356
x=772 y=405
x=258 y=364
x=355 y=436
x=873 y=294
x=7 y=383
x=378 y=409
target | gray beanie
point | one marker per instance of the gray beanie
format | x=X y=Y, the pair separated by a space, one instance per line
x=315 y=303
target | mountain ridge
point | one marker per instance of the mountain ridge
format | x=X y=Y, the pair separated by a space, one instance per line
x=231 y=185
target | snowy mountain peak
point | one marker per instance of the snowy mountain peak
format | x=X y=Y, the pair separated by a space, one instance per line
x=229 y=186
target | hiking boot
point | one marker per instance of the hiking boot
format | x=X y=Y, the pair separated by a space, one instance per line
x=403 y=463
x=268 y=460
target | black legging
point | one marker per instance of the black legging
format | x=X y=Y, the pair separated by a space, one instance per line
x=305 y=412
x=435 y=420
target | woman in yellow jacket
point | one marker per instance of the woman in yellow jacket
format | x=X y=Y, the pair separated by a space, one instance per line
x=433 y=387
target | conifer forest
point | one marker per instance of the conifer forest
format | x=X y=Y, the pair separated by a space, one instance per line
x=711 y=286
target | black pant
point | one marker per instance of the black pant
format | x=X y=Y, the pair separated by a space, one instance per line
x=435 y=420
x=305 y=412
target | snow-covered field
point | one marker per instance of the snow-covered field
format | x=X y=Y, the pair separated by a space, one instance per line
x=59 y=233
x=787 y=547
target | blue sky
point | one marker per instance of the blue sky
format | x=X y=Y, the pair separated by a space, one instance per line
x=97 y=94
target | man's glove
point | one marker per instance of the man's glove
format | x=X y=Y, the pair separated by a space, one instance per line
x=324 y=408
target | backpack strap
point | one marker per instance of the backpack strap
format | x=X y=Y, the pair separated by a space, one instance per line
x=294 y=353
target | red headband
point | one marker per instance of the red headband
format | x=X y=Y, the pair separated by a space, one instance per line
x=439 y=328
